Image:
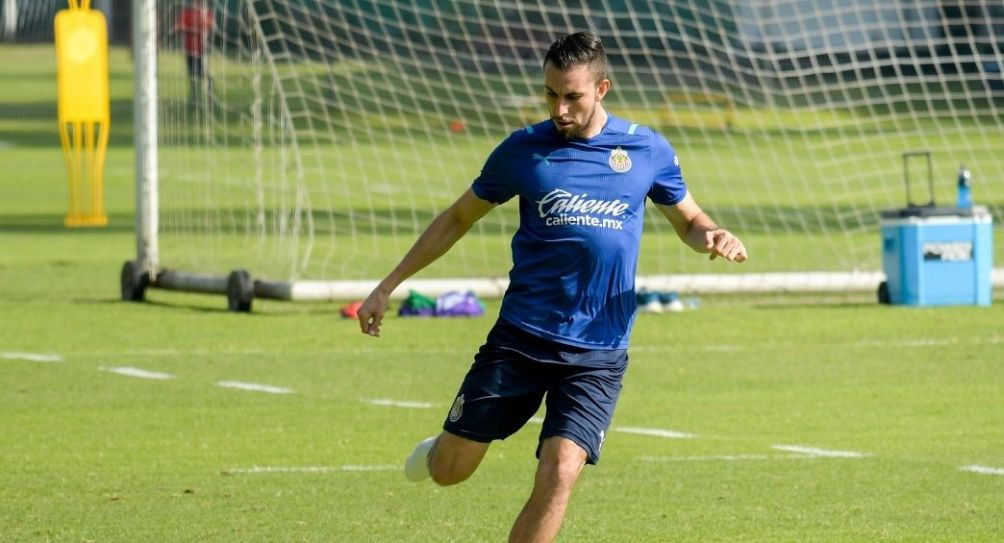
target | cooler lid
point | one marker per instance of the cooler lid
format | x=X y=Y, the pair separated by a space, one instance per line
x=933 y=211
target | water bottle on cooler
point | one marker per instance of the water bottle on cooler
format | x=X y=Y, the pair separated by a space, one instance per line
x=965 y=195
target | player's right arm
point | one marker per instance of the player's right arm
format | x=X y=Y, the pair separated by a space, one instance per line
x=448 y=227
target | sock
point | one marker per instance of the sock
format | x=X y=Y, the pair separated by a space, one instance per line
x=416 y=467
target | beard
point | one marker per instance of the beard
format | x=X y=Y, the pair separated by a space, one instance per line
x=575 y=130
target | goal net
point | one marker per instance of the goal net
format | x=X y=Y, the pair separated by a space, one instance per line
x=326 y=135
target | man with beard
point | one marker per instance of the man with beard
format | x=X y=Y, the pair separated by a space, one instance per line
x=582 y=178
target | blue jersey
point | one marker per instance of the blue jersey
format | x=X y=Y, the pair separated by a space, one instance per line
x=581 y=205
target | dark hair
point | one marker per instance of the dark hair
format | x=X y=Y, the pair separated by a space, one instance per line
x=578 y=48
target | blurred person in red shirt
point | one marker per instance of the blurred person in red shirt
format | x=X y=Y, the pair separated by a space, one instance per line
x=195 y=23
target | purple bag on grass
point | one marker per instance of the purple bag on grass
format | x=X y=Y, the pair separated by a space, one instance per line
x=459 y=304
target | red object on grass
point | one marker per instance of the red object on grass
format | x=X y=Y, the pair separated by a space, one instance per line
x=351 y=311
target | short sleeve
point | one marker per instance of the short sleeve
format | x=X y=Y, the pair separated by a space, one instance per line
x=668 y=187
x=496 y=184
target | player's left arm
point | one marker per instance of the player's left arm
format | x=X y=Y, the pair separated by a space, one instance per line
x=697 y=230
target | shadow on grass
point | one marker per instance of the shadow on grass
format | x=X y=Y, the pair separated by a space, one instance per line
x=189 y=306
x=261 y=308
x=179 y=305
x=836 y=301
x=52 y=223
x=857 y=299
x=41 y=128
x=839 y=300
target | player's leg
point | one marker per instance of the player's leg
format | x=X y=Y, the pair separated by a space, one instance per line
x=193 y=78
x=447 y=458
x=500 y=393
x=453 y=459
x=579 y=409
x=561 y=462
x=450 y=458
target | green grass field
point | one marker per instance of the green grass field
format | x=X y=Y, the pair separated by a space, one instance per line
x=774 y=392
x=91 y=455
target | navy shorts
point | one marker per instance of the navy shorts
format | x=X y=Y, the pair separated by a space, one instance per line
x=514 y=371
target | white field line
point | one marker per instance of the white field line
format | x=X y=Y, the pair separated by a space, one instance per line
x=255 y=387
x=167 y=352
x=32 y=357
x=385 y=402
x=985 y=470
x=309 y=469
x=185 y=352
x=657 y=432
x=137 y=372
x=719 y=348
x=927 y=342
x=915 y=343
x=819 y=453
x=719 y=458
x=752 y=457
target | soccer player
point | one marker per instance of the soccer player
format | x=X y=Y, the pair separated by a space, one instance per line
x=582 y=178
x=195 y=23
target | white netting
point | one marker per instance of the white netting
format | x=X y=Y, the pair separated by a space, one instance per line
x=334 y=131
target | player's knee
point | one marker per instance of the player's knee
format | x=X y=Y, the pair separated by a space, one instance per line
x=559 y=472
x=561 y=462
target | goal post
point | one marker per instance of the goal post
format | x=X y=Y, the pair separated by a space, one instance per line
x=301 y=149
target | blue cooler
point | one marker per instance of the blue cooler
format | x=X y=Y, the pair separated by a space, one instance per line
x=937 y=256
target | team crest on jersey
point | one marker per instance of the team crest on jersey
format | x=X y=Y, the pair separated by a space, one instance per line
x=620 y=162
x=457 y=410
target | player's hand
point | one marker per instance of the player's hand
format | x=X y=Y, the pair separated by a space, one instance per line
x=722 y=243
x=371 y=313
